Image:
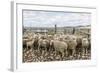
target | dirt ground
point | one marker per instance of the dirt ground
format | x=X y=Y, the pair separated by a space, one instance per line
x=36 y=56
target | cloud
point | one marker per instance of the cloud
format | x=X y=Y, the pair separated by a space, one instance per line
x=50 y=18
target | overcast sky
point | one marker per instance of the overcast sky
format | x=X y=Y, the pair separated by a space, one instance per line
x=50 y=18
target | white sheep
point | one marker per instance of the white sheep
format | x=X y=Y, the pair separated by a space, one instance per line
x=85 y=45
x=72 y=43
x=60 y=46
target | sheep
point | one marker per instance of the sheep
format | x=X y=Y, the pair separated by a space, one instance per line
x=79 y=46
x=60 y=46
x=52 y=47
x=30 y=41
x=29 y=44
x=24 y=41
x=71 y=42
x=35 y=44
x=89 y=48
x=43 y=44
x=85 y=45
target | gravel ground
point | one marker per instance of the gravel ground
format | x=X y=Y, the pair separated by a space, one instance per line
x=36 y=56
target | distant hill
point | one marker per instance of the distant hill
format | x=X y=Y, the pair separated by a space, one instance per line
x=47 y=28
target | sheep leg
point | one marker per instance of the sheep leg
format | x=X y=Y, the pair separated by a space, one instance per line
x=66 y=53
x=69 y=52
x=73 y=52
x=83 y=51
x=57 y=53
x=62 y=55
x=39 y=50
x=79 y=53
x=27 y=47
x=86 y=51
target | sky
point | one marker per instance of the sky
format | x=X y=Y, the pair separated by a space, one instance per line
x=50 y=18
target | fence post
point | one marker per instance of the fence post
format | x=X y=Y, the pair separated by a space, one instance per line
x=55 y=28
x=73 y=30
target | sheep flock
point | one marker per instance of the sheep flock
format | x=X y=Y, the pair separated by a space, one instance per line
x=44 y=47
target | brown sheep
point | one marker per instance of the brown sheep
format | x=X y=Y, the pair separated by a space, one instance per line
x=79 y=46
